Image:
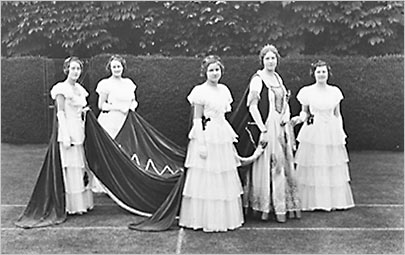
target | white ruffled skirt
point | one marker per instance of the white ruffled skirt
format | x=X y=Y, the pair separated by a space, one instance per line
x=322 y=167
x=78 y=195
x=212 y=192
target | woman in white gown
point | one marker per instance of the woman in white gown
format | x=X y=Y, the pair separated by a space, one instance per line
x=116 y=99
x=321 y=158
x=212 y=193
x=71 y=102
x=116 y=96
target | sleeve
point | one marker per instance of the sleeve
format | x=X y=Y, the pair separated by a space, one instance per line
x=195 y=96
x=102 y=87
x=133 y=88
x=255 y=88
x=229 y=99
x=59 y=89
x=339 y=95
x=134 y=103
x=303 y=97
x=83 y=91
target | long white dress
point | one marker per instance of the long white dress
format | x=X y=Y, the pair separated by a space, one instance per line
x=212 y=192
x=322 y=158
x=79 y=197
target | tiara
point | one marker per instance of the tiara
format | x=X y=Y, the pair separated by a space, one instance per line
x=318 y=63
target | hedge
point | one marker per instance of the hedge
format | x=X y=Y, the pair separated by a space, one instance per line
x=372 y=108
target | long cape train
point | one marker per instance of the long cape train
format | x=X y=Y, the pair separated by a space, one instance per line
x=150 y=149
x=47 y=203
x=134 y=187
x=129 y=184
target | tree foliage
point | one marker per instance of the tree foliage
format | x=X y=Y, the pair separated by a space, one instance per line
x=191 y=28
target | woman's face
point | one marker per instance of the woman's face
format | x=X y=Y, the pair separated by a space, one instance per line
x=214 y=72
x=74 y=70
x=270 y=61
x=321 y=74
x=116 y=68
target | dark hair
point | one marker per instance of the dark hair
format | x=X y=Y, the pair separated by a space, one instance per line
x=267 y=48
x=117 y=58
x=208 y=60
x=317 y=64
x=66 y=63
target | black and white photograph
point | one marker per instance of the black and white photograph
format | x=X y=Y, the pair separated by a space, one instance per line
x=202 y=127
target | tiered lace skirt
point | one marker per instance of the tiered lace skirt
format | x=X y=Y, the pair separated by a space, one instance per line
x=79 y=198
x=212 y=192
x=322 y=167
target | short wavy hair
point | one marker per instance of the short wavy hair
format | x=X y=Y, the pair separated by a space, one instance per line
x=208 y=60
x=118 y=58
x=66 y=64
x=266 y=49
x=319 y=63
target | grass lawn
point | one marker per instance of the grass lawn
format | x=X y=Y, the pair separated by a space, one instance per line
x=374 y=226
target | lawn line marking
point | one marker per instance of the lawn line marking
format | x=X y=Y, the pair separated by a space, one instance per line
x=325 y=229
x=356 y=205
x=181 y=231
x=179 y=240
x=379 y=205
x=69 y=228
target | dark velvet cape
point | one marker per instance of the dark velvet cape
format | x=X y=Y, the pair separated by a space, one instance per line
x=242 y=122
x=138 y=190
x=47 y=203
x=149 y=148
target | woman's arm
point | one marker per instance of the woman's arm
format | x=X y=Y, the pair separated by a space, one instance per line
x=134 y=103
x=199 y=129
x=304 y=114
x=198 y=111
x=255 y=88
x=336 y=111
x=60 y=103
x=62 y=124
x=254 y=111
x=338 y=115
x=102 y=102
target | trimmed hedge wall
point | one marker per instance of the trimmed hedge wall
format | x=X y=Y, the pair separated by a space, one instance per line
x=22 y=101
x=26 y=117
x=372 y=108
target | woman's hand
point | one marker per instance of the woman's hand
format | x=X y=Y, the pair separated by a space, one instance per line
x=66 y=142
x=264 y=139
x=133 y=106
x=124 y=110
x=203 y=151
x=295 y=120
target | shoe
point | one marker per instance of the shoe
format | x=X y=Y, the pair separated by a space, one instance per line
x=265 y=216
x=291 y=215
x=281 y=218
x=298 y=214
